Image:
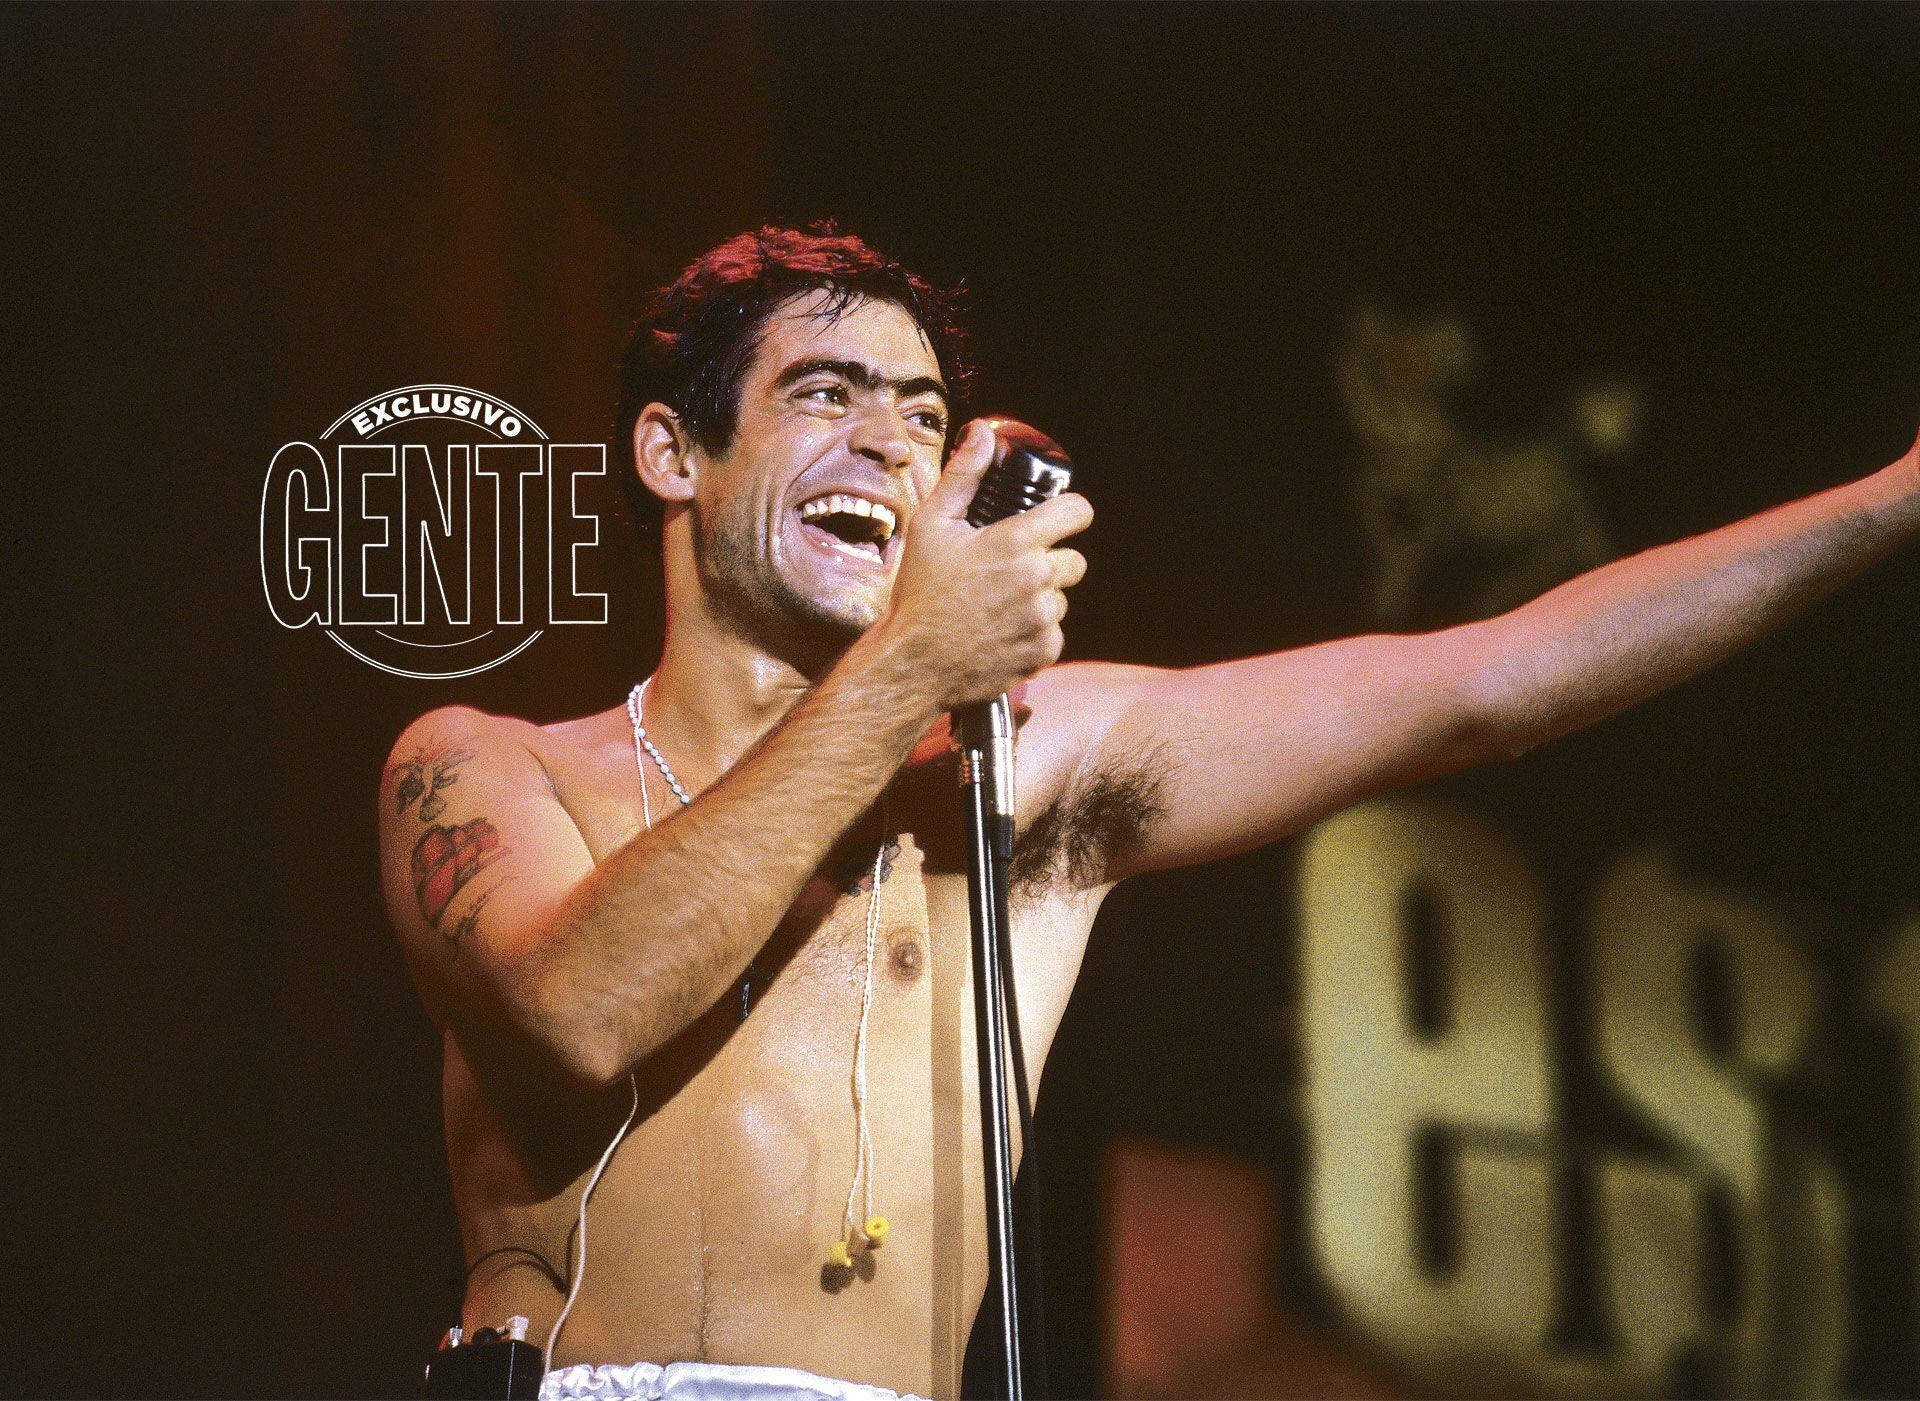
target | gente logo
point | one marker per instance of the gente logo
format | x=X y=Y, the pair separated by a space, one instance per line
x=432 y=531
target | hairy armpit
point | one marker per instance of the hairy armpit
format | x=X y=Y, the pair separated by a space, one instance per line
x=1095 y=821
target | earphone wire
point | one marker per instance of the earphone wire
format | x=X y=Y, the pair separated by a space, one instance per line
x=580 y=1267
x=636 y=703
x=863 y=1164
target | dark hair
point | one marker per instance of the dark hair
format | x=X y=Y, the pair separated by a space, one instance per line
x=692 y=345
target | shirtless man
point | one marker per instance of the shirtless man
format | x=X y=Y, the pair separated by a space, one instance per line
x=591 y=945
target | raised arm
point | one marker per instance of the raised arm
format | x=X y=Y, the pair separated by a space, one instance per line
x=580 y=970
x=1248 y=751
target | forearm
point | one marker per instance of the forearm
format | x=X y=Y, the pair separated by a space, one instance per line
x=666 y=924
x=1628 y=630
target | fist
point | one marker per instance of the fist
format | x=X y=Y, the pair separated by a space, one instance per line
x=981 y=608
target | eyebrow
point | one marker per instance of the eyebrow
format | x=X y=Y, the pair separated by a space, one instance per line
x=862 y=377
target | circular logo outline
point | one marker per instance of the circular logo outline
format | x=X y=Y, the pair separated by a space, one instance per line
x=538 y=434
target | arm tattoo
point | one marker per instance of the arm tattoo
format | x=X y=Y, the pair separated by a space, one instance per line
x=424 y=776
x=445 y=855
x=446 y=858
x=464 y=926
x=527 y=1258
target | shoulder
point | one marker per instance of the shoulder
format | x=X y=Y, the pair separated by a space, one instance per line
x=1094 y=680
x=453 y=741
x=452 y=725
x=458 y=733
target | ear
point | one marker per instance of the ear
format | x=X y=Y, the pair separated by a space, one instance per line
x=663 y=454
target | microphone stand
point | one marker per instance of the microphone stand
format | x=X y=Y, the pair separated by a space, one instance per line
x=985 y=734
x=1028 y=467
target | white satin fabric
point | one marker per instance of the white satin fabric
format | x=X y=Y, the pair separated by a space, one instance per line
x=701 y=1381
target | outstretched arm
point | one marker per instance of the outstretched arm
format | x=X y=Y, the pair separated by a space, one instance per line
x=1248 y=751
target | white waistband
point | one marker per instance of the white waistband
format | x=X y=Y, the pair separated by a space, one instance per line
x=701 y=1381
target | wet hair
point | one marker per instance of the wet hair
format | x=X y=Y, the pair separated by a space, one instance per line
x=692 y=345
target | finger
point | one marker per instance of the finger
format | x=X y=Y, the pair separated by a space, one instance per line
x=1066 y=514
x=953 y=493
x=1069 y=567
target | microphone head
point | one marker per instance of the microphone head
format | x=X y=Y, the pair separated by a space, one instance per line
x=1028 y=467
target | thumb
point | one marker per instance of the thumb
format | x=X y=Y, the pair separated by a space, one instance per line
x=953 y=493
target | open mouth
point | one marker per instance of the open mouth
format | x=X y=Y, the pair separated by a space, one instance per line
x=851 y=525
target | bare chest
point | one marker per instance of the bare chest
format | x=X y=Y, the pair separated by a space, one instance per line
x=744 y=1164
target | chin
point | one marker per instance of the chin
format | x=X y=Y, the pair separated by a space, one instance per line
x=805 y=628
x=790 y=612
x=841 y=608
x=847 y=617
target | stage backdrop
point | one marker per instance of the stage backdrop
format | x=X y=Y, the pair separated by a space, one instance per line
x=1594 y=1073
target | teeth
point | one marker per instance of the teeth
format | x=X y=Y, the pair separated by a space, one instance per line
x=859 y=549
x=843 y=503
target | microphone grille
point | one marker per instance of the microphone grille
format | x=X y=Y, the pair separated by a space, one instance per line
x=1028 y=467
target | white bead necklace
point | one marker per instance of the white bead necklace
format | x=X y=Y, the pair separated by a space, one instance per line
x=636 y=710
x=636 y=698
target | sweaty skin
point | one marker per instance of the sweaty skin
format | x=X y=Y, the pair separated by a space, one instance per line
x=562 y=947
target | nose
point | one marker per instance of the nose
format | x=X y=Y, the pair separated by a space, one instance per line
x=880 y=436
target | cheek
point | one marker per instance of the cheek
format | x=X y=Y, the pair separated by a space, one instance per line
x=739 y=504
x=926 y=471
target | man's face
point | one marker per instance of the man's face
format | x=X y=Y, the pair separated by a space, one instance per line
x=842 y=423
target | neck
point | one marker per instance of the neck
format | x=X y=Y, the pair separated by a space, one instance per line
x=716 y=694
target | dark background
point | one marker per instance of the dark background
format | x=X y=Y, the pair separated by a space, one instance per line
x=228 y=225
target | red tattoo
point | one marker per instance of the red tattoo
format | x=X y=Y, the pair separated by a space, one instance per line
x=446 y=858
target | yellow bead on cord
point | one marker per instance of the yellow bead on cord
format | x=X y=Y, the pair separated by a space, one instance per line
x=876 y=1229
x=839 y=1256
